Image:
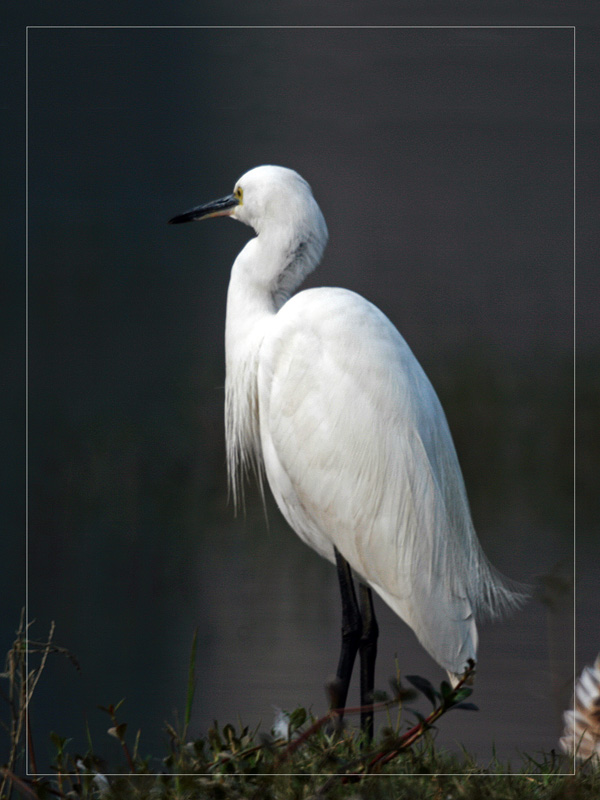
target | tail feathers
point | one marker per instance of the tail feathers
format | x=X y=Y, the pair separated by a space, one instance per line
x=495 y=596
x=581 y=736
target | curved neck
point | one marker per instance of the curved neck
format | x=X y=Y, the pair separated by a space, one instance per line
x=250 y=308
x=249 y=301
x=264 y=275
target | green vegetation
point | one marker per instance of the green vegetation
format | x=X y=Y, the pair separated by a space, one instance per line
x=303 y=758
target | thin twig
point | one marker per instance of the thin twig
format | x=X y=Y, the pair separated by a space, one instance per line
x=15 y=673
x=382 y=758
x=16 y=781
x=411 y=736
x=37 y=674
x=30 y=743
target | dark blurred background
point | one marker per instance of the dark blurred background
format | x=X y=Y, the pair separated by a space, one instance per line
x=443 y=160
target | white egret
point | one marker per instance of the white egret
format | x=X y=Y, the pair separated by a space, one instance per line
x=324 y=396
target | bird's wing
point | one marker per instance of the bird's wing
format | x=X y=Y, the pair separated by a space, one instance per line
x=358 y=455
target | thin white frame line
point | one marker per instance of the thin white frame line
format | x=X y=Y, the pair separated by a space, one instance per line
x=301 y=27
x=26 y=621
x=574 y=377
x=292 y=27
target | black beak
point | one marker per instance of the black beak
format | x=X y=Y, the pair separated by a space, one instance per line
x=217 y=208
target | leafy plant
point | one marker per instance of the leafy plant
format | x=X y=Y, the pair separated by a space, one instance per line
x=306 y=759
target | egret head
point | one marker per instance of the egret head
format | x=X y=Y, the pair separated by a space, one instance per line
x=266 y=197
x=279 y=205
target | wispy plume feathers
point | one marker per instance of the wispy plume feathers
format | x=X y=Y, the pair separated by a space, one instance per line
x=581 y=736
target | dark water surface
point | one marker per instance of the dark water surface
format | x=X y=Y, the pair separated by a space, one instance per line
x=268 y=617
x=443 y=162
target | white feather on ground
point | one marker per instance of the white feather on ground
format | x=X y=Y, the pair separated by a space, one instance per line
x=581 y=736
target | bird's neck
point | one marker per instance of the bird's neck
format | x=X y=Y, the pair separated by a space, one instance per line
x=267 y=271
x=264 y=275
x=250 y=309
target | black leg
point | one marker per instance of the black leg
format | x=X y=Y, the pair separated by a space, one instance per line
x=368 y=654
x=351 y=633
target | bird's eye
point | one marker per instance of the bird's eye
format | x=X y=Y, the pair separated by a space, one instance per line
x=238 y=193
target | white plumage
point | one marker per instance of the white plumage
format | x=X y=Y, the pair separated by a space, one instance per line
x=581 y=735
x=324 y=395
